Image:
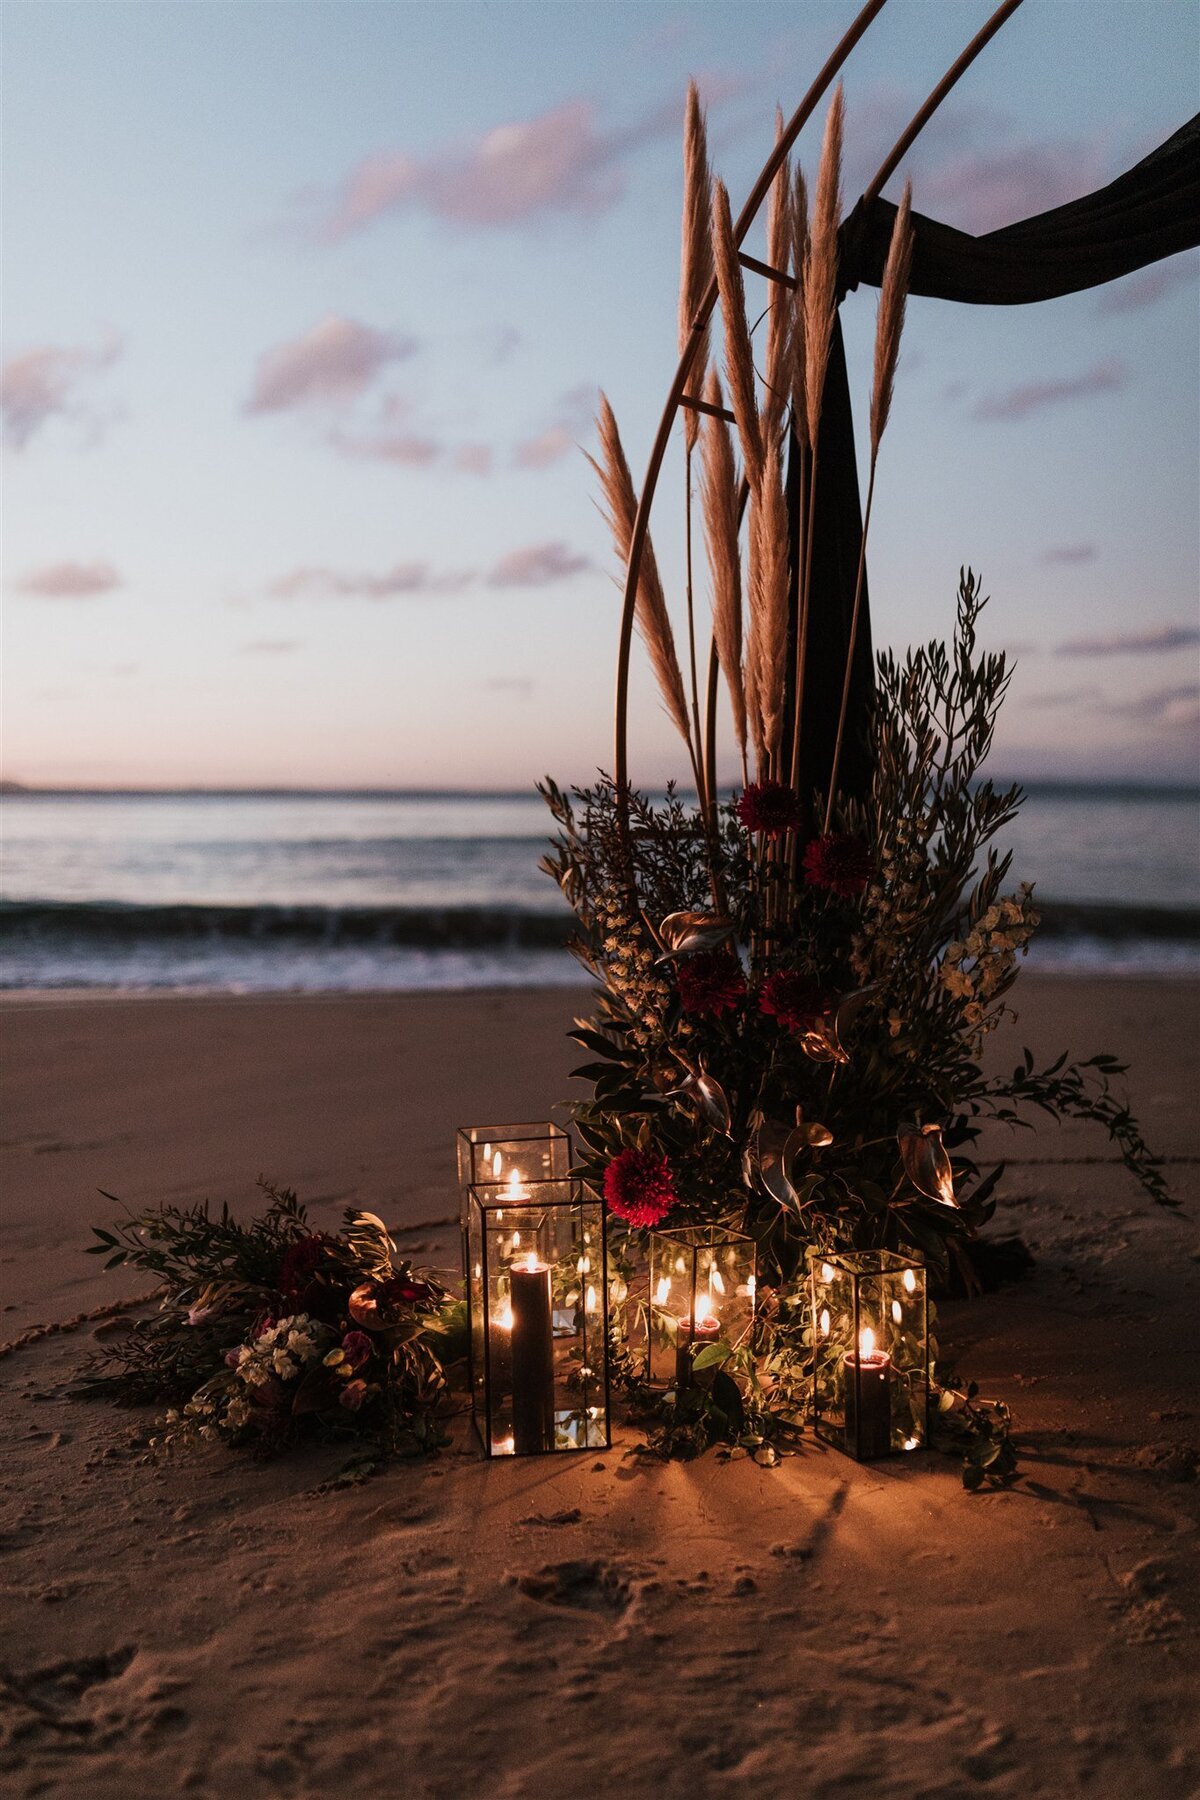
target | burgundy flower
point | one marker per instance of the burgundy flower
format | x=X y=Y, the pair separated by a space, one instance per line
x=790 y=998
x=405 y=1289
x=838 y=862
x=710 y=983
x=639 y=1187
x=298 y=1270
x=770 y=807
x=353 y=1395
x=356 y=1347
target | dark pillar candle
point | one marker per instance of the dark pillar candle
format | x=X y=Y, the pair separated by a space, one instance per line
x=689 y=1338
x=532 y=1358
x=868 y=1405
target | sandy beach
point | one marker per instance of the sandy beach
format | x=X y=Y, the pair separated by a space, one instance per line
x=594 y=1625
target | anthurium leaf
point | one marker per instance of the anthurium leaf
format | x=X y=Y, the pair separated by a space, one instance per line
x=712 y=1356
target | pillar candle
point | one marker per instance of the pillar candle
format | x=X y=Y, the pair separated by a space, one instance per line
x=532 y=1356
x=692 y=1335
x=868 y=1400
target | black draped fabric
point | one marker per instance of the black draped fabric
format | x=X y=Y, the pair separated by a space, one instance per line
x=1149 y=213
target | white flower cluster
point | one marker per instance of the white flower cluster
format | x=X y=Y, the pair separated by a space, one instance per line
x=287 y=1348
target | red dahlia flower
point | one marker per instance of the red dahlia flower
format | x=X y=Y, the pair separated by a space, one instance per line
x=838 y=862
x=639 y=1187
x=405 y=1289
x=770 y=807
x=710 y=983
x=793 y=1000
x=298 y=1269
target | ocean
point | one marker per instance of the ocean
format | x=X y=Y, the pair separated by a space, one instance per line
x=269 y=892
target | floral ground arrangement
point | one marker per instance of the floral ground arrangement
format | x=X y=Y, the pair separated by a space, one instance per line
x=795 y=980
x=269 y=1333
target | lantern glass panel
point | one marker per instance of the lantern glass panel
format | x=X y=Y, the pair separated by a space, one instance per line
x=701 y=1284
x=538 y=1312
x=869 y=1324
x=537 y=1152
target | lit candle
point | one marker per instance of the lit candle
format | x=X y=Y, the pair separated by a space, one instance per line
x=692 y=1333
x=868 y=1399
x=532 y=1355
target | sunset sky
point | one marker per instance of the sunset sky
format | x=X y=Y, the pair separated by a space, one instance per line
x=305 y=311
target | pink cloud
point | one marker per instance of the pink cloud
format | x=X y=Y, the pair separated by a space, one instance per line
x=335 y=361
x=559 y=161
x=404 y=447
x=43 y=382
x=1033 y=396
x=1068 y=554
x=981 y=189
x=1148 y=285
x=473 y=459
x=71 y=581
x=537 y=565
x=1132 y=643
x=322 y=583
x=1175 y=707
x=548 y=447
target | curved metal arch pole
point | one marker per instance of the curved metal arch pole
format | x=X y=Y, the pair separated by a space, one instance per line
x=912 y=132
x=641 y=521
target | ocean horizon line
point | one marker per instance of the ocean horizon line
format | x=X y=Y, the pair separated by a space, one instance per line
x=1097 y=785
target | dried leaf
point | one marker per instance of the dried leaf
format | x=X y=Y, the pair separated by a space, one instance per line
x=926 y=1162
x=683 y=933
x=707 y=1099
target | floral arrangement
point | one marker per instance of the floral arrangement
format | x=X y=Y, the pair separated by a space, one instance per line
x=796 y=982
x=268 y=1332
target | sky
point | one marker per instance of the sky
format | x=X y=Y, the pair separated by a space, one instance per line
x=306 y=307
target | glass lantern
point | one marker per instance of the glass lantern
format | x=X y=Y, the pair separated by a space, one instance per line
x=700 y=1294
x=488 y=1153
x=869 y=1321
x=538 y=1312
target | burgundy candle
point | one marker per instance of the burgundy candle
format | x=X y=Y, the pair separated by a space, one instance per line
x=532 y=1356
x=868 y=1400
x=691 y=1335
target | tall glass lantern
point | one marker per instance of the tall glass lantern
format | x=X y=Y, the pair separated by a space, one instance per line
x=701 y=1294
x=537 y=1295
x=869 y=1320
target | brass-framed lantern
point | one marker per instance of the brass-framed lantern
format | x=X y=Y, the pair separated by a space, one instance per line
x=537 y=1298
x=701 y=1296
x=869 y=1331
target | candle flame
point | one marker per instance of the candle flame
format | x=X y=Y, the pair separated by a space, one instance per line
x=826 y=1271
x=589 y=1304
x=504 y=1317
x=897 y=1312
x=718 y=1281
x=662 y=1291
x=823 y=1321
x=866 y=1341
x=497 y=1164
x=530 y=1262
x=513 y=1185
x=910 y=1280
x=704 y=1309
